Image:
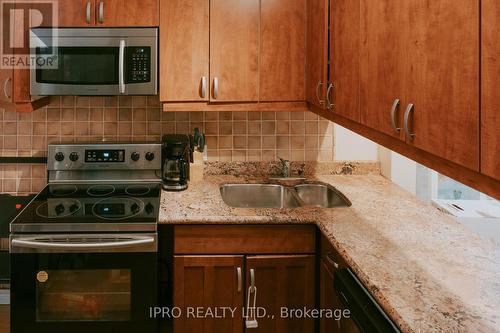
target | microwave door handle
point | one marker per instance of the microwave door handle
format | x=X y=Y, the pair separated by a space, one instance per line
x=121 y=69
x=33 y=244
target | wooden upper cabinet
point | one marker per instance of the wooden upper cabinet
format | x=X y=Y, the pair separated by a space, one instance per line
x=490 y=106
x=184 y=44
x=234 y=50
x=282 y=50
x=317 y=52
x=283 y=281
x=344 y=58
x=208 y=282
x=442 y=80
x=72 y=13
x=129 y=13
x=382 y=64
x=106 y=13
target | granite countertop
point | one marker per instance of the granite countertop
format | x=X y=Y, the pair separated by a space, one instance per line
x=428 y=272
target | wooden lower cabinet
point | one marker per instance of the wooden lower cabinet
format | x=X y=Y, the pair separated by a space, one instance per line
x=208 y=282
x=213 y=268
x=214 y=283
x=283 y=282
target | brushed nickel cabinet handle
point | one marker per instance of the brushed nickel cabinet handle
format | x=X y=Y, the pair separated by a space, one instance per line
x=5 y=85
x=251 y=318
x=101 y=12
x=320 y=101
x=328 y=100
x=87 y=14
x=409 y=110
x=203 y=92
x=394 y=108
x=216 y=88
x=240 y=280
x=252 y=278
x=331 y=261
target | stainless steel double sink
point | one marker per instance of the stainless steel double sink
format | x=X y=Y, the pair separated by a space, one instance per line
x=279 y=196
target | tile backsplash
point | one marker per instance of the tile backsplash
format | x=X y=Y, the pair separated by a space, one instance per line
x=231 y=136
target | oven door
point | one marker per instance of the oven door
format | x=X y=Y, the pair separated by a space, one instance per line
x=93 y=61
x=83 y=283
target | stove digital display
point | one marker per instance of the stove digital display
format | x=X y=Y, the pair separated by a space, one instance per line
x=99 y=156
x=109 y=209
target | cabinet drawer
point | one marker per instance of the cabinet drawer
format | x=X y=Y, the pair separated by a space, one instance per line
x=244 y=239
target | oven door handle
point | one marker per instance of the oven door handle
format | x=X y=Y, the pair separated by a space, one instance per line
x=33 y=244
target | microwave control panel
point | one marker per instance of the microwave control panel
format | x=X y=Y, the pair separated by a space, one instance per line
x=138 y=64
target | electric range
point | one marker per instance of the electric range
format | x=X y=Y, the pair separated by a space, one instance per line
x=84 y=250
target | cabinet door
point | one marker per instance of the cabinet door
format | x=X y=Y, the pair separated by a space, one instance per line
x=282 y=281
x=71 y=13
x=490 y=108
x=234 y=50
x=129 y=13
x=282 y=50
x=443 y=79
x=317 y=49
x=208 y=282
x=184 y=46
x=344 y=58
x=382 y=66
x=327 y=300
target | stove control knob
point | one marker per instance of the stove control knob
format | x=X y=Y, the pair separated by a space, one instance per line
x=135 y=156
x=134 y=208
x=59 y=157
x=59 y=209
x=150 y=156
x=149 y=208
x=73 y=157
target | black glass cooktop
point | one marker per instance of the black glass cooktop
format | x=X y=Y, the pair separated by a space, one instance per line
x=93 y=203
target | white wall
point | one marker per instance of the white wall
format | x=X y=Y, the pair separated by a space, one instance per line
x=404 y=172
x=398 y=169
x=350 y=146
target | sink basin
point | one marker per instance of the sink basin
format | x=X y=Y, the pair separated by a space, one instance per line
x=279 y=196
x=321 y=195
x=258 y=196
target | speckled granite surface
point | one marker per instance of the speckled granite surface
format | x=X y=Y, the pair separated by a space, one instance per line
x=428 y=272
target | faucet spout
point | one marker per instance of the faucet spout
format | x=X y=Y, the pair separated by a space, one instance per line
x=285 y=167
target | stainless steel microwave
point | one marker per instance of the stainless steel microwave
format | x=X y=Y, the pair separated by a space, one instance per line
x=95 y=61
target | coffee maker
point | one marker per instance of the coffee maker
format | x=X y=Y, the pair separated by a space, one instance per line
x=177 y=153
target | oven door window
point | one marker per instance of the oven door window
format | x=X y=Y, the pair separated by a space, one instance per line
x=83 y=295
x=81 y=66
